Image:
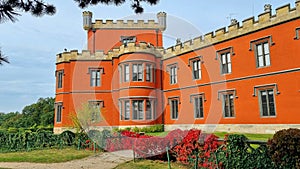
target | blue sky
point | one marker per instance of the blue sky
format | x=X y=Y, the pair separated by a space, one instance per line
x=32 y=43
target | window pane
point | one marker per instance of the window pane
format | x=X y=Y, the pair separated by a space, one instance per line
x=259 y=50
x=228 y=58
x=267 y=60
x=140 y=72
x=174 y=109
x=260 y=61
x=58 y=113
x=126 y=72
x=127 y=110
x=223 y=56
x=229 y=68
x=148 y=109
x=266 y=48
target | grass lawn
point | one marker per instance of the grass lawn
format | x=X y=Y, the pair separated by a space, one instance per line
x=149 y=164
x=45 y=156
x=250 y=136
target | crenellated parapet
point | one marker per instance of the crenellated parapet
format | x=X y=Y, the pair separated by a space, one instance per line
x=86 y=55
x=122 y=24
x=235 y=29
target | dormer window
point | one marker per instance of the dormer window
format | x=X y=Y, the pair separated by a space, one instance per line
x=128 y=39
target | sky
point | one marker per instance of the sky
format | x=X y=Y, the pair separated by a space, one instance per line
x=32 y=43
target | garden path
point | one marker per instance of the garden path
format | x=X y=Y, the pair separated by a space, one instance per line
x=99 y=161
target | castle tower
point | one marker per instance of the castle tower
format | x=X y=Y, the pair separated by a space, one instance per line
x=162 y=20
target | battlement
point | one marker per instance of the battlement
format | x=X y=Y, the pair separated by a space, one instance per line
x=266 y=19
x=122 y=24
x=116 y=52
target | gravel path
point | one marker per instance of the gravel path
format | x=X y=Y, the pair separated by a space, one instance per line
x=99 y=161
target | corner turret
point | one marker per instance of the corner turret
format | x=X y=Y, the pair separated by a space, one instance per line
x=162 y=20
x=87 y=20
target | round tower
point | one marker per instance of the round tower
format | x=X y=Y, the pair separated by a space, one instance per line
x=87 y=20
x=162 y=20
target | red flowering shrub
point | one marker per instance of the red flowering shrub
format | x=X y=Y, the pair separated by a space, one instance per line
x=196 y=145
x=185 y=145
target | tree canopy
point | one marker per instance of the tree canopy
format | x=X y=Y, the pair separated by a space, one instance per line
x=40 y=113
x=9 y=9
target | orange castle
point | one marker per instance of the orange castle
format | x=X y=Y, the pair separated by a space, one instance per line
x=242 y=78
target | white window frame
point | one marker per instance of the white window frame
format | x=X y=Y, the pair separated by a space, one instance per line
x=172 y=69
x=126 y=73
x=226 y=66
x=126 y=109
x=58 y=112
x=95 y=76
x=193 y=98
x=149 y=72
x=174 y=107
x=268 y=102
x=197 y=72
x=59 y=75
x=138 y=109
x=228 y=103
x=262 y=50
x=137 y=72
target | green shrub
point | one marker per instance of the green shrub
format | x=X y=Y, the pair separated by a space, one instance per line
x=12 y=130
x=284 y=148
x=237 y=153
x=135 y=129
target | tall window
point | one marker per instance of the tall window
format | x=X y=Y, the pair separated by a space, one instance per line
x=297 y=37
x=174 y=108
x=126 y=73
x=59 y=108
x=127 y=110
x=225 y=63
x=197 y=69
x=137 y=72
x=120 y=73
x=95 y=107
x=228 y=104
x=198 y=107
x=95 y=77
x=149 y=73
x=267 y=104
x=138 y=109
x=60 y=75
x=263 y=54
x=173 y=74
x=149 y=109
x=121 y=110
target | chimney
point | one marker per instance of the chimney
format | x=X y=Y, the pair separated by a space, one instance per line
x=268 y=8
x=233 y=22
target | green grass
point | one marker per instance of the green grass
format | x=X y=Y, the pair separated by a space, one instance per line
x=250 y=136
x=159 y=134
x=149 y=164
x=45 y=156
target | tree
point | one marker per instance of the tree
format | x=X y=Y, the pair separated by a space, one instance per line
x=36 y=114
x=3 y=58
x=9 y=9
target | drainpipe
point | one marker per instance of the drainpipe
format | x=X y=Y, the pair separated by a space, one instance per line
x=162 y=94
x=94 y=39
x=156 y=37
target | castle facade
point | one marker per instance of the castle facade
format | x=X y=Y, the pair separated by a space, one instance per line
x=242 y=78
